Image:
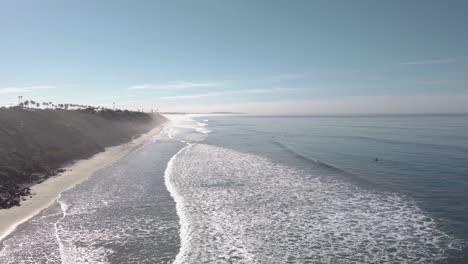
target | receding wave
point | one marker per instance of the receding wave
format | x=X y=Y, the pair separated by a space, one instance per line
x=242 y=208
x=121 y=215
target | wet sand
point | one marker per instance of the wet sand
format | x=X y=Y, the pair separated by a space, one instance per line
x=47 y=192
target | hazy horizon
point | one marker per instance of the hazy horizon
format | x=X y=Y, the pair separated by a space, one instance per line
x=262 y=57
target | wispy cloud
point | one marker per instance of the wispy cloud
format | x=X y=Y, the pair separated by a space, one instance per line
x=426 y=62
x=232 y=92
x=283 y=77
x=140 y=87
x=118 y=96
x=25 y=89
x=189 y=96
x=177 y=85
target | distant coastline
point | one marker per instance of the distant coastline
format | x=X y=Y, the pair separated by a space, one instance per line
x=367 y=115
x=203 y=113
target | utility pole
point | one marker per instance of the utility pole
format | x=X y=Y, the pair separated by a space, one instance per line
x=20 y=99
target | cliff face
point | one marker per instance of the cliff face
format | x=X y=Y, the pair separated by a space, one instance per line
x=35 y=143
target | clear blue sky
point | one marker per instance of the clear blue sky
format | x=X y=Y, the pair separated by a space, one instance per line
x=251 y=56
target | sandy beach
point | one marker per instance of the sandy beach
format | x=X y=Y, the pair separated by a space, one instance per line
x=46 y=193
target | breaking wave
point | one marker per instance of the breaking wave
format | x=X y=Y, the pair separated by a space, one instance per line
x=242 y=208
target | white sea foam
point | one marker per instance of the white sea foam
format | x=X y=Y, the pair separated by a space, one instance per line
x=241 y=208
x=184 y=231
x=203 y=130
x=178 y=126
x=123 y=215
x=63 y=208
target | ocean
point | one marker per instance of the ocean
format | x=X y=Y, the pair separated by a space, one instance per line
x=252 y=189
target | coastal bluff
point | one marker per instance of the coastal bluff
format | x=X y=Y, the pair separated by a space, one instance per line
x=36 y=143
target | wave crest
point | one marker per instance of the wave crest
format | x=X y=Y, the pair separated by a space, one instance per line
x=243 y=208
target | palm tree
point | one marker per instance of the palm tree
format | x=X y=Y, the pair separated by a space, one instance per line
x=26 y=103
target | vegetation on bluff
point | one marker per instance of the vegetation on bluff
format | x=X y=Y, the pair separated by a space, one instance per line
x=35 y=143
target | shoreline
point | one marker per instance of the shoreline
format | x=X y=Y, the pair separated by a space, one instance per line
x=183 y=227
x=47 y=192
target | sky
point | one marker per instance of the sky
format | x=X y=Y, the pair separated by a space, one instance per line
x=259 y=57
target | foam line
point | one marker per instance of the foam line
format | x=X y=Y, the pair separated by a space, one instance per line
x=242 y=208
x=63 y=207
x=48 y=191
x=184 y=228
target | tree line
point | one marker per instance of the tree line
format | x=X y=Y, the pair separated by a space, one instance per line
x=48 y=105
x=31 y=104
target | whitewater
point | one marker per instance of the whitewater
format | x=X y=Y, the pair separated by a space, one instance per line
x=205 y=191
x=237 y=207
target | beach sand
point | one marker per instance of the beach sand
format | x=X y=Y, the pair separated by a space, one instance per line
x=47 y=192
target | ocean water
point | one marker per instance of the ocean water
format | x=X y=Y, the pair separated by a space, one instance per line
x=123 y=214
x=310 y=190
x=246 y=189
